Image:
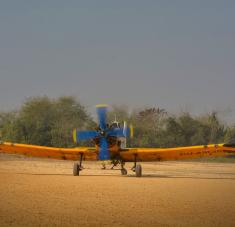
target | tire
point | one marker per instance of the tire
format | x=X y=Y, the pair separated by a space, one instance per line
x=76 y=169
x=138 y=170
x=123 y=171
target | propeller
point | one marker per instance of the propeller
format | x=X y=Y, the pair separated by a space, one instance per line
x=104 y=152
x=103 y=132
x=101 y=111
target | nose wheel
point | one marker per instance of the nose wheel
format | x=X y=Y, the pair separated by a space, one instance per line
x=123 y=171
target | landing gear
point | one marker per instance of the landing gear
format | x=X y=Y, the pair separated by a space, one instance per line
x=123 y=170
x=137 y=168
x=115 y=163
x=77 y=167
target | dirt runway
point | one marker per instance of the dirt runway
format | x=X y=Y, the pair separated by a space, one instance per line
x=41 y=192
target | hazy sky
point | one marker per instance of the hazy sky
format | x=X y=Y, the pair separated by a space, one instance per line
x=172 y=54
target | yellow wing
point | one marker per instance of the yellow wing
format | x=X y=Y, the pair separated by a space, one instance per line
x=141 y=154
x=179 y=153
x=49 y=152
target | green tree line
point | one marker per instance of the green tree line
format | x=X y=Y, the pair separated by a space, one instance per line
x=50 y=122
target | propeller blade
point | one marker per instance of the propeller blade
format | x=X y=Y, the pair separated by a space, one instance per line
x=75 y=136
x=131 y=131
x=102 y=115
x=85 y=135
x=118 y=132
x=104 y=152
x=125 y=129
x=128 y=131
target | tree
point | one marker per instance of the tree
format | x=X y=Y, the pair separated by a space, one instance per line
x=214 y=129
x=47 y=122
x=147 y=126
x=7 y=126
x=230 y=135
x=172 y=134
x=69 y=114
x=119 y=113
x=35 y=121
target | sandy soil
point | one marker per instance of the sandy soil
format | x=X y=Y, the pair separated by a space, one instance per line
x=40 y=192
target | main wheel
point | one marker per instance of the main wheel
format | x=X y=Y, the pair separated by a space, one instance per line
x=138 y=170
x=76 y=169
x=123 y=171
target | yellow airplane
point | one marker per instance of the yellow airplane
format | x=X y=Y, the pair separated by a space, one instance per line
x=110 y=144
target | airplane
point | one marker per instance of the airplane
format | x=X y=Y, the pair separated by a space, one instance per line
x=110 y=144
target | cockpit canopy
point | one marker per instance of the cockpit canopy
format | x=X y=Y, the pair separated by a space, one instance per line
x=115 y=124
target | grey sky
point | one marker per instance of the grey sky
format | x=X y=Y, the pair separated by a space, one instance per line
x=172 y=54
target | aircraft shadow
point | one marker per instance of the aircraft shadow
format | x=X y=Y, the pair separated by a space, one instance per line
x=183 y=177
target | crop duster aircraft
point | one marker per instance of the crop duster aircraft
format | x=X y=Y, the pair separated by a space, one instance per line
x=110 y=145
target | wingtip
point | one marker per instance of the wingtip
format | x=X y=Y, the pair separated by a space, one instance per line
x=229 y=145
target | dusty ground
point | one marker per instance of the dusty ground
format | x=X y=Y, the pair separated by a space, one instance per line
x=39 y=192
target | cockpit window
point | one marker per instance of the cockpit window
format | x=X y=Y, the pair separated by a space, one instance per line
x=115 y=125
